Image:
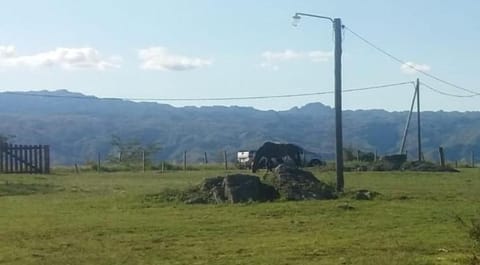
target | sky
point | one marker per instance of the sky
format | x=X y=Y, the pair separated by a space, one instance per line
x=213 y=49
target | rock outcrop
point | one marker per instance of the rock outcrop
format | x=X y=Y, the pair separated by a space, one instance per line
x=286 y=183
x=296 y=184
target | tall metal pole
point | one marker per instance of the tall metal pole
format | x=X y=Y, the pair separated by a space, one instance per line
x=417 y=88
x=337 y=26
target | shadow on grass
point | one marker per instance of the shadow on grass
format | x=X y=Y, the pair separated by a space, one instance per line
x=18 y=189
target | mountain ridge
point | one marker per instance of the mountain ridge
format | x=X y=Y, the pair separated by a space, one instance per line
x=78 y=127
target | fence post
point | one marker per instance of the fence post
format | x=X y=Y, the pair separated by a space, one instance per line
x=205 y=159
x=473 y=158
x=225 y=159
x=143 y=160
x=442 y=156
x=76 y=168
x=163 y=166
x=98 y=163
x=184 y=160
x=376 y=155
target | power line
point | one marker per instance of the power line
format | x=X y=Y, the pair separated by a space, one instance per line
x=376 y=87
x=213 y=99
x=446 y=93
x=395 y=58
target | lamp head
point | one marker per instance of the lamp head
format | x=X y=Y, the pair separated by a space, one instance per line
x=296 y=20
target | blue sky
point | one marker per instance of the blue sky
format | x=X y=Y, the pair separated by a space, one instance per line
x=212 y=48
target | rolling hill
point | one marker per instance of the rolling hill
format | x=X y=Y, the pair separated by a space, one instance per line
x=78 y=127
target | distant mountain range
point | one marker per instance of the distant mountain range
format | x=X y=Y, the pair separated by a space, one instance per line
x=77 y=127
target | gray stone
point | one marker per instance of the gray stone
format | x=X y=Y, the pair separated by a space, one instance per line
x=297 y=184
x=210 y=183
x=241 y=188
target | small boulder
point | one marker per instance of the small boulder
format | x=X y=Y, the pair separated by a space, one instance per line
x=295 y=184
x=244 y=188
x=214 y=189
x=211 y=183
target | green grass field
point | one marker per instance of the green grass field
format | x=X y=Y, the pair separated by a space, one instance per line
x=103 y=218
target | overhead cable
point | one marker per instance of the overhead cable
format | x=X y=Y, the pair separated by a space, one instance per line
x=395 y=58
x=349 y=90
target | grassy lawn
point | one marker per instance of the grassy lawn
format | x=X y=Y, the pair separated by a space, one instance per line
x=94 y=218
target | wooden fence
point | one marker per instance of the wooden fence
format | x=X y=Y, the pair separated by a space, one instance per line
x=33 y=159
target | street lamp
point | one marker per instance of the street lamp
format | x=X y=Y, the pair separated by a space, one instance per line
x=337 y=27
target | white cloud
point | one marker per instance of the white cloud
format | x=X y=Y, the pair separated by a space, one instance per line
x=320 y=56
x=160 y=58
x=7 y=51
x=65 y=58
x=286 y=55
x=409 y=68
x=272 y=59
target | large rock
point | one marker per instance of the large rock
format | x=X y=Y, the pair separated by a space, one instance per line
x=287 y=182
x=296 y=184
x=244 y=188
x=234 y=188
x=214 y=188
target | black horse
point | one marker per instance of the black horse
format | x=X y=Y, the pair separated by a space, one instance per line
x=270 y=152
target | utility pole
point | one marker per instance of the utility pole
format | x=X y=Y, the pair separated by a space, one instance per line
x=337 y=26
x=404 y=139
x=417 y=89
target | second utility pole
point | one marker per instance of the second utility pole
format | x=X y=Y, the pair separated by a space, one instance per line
x=417 y=88
x=337 y=27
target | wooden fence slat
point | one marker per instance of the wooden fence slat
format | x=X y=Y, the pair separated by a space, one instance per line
x=40 y=159
x=10 y=146
x=2 y=147
x=35 y=158
x=20 y=158
x=47 y=159
x=30 y=158
x=24 y=158
x=5 y=159
x=15 y=154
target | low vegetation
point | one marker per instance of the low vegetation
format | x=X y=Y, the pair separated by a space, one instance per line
x=111 y=218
